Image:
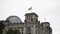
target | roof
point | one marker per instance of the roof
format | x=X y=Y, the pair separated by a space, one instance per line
x=45 y=23
x=31 y=14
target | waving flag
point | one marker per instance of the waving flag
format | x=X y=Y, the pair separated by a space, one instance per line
x=30 y=8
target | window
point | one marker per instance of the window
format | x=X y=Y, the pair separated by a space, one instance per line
x=22 y=32
x=22 y=29
x=29 y=33
x=29 y=28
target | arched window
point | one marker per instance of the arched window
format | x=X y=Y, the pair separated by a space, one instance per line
x=29 y=28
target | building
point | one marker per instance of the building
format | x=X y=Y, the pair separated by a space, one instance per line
x=31 y=25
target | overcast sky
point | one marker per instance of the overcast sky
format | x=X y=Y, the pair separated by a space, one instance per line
x=49 y=9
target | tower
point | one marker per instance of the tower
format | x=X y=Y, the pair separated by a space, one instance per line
x=31 y=18
x=46 y=25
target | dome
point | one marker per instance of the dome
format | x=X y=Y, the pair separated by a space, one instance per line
x=13 y=19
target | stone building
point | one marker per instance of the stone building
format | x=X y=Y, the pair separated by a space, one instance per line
x=31 y=25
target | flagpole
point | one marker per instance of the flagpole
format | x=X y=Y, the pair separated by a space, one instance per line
x=45 y=19
x=31 y=10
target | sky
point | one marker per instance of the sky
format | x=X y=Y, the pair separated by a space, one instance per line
x=49 y=9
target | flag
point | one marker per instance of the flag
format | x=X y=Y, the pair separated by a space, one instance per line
x=30 y=8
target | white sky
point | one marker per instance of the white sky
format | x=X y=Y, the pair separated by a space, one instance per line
x=49 y=9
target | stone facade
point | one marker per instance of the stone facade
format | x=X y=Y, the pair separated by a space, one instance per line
x=31 y=25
